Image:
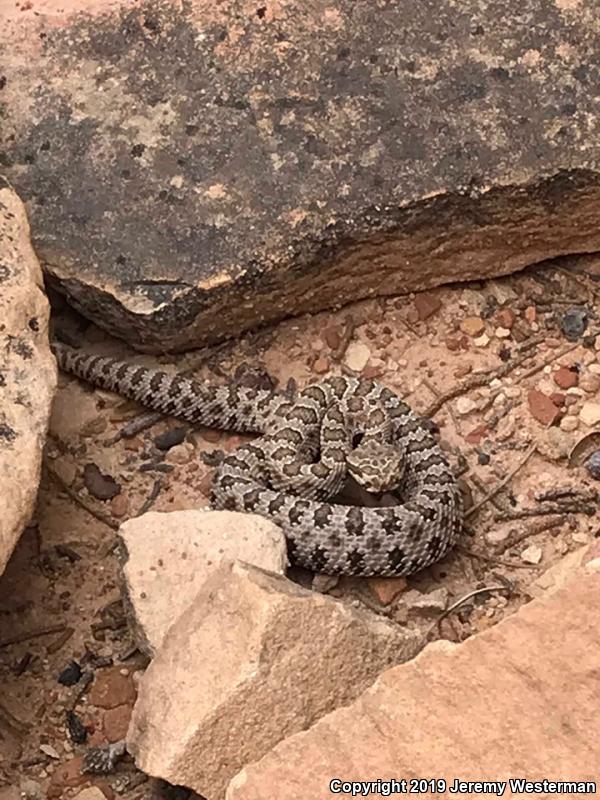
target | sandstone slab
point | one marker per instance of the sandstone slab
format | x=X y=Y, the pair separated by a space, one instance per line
x=168 y=556
x=27 y=372
x=254 y=659
x=516 y=701
x=195 y=169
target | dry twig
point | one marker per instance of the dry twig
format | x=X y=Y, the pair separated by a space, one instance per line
x=462 y=601
x=545 y=525
x=584 y=495
x=348 y=333
x=55 y=646
x=138 y=424
x=483 y=488
x=547 y=361
x=148 y=502
x=545 y=511
x=35 y=634
x=479 y=379
x=494 y=560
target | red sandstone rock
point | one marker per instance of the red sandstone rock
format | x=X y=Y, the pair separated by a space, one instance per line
x=542 y=407
x=427 y=304
x=566 y=378
x=506 y=318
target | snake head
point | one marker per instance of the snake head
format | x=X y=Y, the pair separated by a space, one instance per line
x=377 y=466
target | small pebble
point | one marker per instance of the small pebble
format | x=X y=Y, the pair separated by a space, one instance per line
x=532 y=554
x=464 y=405
x=506 y=318
x=593 y=465
x=476 y=435
x=590 y=383
x=427 y=304
x=432 y=602
x=321 y=365
x=541 y=407
x=573 y=323
x=497 y=535
x=119 y=505
x=588 y=357
x=48 y=750
x=512 y=392
x=181 y=453
x=555 y=444
x=505 y=429
x=357 y=356
x=590 y=414
x=70 y=675
x=66 y=470
x=565 y=378
x=483 y=458
x=170 y=438
x=462 y=371
x=332 y=337
x=99 y=485
x=481 y=341
x=502 y=333
x=569 y=423
x=530 y=314
x=472 y=326
x=77 y=730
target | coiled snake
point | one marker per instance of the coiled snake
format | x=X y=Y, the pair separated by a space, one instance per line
x=309 y=445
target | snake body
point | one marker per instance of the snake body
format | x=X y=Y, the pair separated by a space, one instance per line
x=307 y=448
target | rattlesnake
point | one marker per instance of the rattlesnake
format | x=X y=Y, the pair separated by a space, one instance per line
x=309 y=445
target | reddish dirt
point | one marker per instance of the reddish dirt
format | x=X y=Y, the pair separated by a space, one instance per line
x=65 y=573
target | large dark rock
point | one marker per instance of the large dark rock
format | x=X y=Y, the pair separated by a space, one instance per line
x=193 y=169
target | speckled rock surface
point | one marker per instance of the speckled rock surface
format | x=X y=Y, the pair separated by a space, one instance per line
x=27 y=372
x=194 y=169
x=456 y=712
x=253 y=659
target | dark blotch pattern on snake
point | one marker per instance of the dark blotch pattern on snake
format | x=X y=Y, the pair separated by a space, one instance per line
x=307 y=448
